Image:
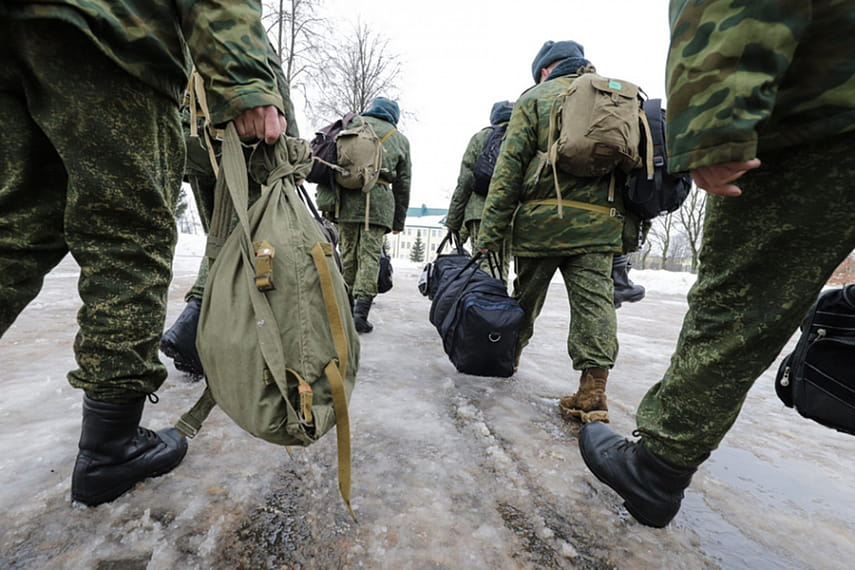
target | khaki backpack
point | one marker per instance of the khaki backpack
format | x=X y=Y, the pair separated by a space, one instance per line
x=359 y=152
x=595 y=128
x=359 y=156
x=275 y=337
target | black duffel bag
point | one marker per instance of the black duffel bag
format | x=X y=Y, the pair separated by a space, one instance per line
x=384 y=276
x=818 y=377
x=443 y=264
x=478 y=321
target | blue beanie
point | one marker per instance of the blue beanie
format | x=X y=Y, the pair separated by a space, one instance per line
x=501 y=112
x=555 y=51
x=384 y=109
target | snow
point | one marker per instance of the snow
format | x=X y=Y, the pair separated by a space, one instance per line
x=449 y=470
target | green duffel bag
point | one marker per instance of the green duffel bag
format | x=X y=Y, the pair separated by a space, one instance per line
x=276 y=339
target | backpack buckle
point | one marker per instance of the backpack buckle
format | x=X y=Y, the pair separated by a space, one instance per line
x=264 y=254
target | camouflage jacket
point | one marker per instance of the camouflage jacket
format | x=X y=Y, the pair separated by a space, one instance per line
x=198 y=162
x=465 y=204
x=744 y=77
x=150 y=39
x=389 y=199
x=523 y=177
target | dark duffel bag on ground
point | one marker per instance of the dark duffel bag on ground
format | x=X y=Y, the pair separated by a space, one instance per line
x=818 y=377
x=478 y=322
x=443 y=264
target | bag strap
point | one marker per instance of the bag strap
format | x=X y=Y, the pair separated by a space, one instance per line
x=335 y=371
x=191 y=422
x=647 y=127
x=611 y=212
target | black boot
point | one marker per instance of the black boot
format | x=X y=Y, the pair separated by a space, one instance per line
x=360 y=315
x=115 y=453
x=625 y=289
x=179 y=342
x=651 y=488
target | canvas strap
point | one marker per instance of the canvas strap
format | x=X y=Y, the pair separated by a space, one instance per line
x=611 y=212
x=334 y=369
x=191 y=422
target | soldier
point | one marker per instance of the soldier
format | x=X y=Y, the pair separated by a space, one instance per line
x=179 y=341
x=466 y=207
x=92 y=157
x=759 y=81
x=581 y=245
x=625 y=291
x=387 y=204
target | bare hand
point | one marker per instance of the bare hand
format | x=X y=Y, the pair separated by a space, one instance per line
x=261 y=123
x=716 y=179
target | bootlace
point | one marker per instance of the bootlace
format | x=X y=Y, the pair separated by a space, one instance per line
x=153 y=398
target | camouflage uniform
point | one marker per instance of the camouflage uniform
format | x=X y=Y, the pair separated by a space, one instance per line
x=776 y=81
x=466 y=206
x=199 y=173
x=581 y=244
x=389 y=200
x=92 y=160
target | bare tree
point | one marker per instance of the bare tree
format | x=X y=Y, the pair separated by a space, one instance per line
x=298 y=30
x=357 y=69
x=661 y=232
x=691 y=221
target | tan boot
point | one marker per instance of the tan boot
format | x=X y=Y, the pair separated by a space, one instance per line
x=588 y=404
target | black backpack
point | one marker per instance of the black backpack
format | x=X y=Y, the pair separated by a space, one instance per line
x=818 y=377
x=482 y=170
x=651 y=193
x=324 y=151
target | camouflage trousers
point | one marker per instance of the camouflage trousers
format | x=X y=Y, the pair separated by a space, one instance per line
x=90 y=164
x=504 y=256
x=765 y=257
x=200 y=174
x=360 y=257
x=203 y=194
x=592 y=339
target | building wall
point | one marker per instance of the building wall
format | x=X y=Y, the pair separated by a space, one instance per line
x=401 y=245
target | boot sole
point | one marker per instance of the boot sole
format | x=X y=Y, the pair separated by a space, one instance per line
x=586 y=417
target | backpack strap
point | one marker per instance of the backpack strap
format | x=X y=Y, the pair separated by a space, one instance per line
x=199 y=101
x=648 y=133
x=191 y=422
x=335 y=371
x=387 y=135
x=611 y=212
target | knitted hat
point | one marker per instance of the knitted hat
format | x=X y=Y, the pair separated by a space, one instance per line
x=501 y=112
x=384 y=109
x=555 y=51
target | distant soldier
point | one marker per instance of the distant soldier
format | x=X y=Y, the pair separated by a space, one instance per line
x=179 y=341
x=467 y=205
x=580 y=245
x=386 y=203
x=92 y=159
x=759 y=79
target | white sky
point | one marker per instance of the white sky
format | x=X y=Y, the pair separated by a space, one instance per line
x=459 y=57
